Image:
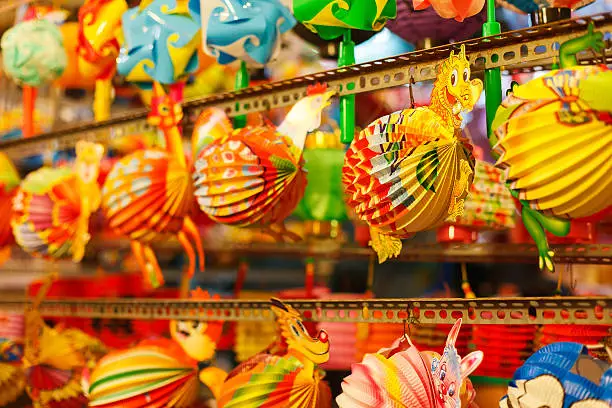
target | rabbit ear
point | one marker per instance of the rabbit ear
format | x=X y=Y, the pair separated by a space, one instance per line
x=471 y=362
x=454 y=333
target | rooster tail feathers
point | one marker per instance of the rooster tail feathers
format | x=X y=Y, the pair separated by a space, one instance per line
x=212 y=124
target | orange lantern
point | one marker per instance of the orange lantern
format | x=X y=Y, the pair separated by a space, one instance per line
x=72 y=77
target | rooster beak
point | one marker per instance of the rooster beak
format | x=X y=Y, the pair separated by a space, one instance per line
x=327 y=98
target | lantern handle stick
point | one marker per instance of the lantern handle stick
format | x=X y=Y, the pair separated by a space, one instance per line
x=492 y=78
x=242 y=82
x=346 y=56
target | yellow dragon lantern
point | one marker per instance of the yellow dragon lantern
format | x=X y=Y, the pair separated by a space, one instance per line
x=287 y=377
x=410 y=171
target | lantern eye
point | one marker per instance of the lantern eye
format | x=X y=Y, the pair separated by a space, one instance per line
x=454 y=78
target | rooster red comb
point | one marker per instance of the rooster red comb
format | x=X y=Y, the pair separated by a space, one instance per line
x=316 y=89
x=215 y=327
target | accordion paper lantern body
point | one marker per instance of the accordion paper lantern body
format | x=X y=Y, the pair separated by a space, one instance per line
x=403 y=377
x=12 y=377
x=161 y=372
x=251 y=178
x=9 y=181
x=561 y=375
x=459 y=10
x=148 y=194
x=254 y=175
x=287 y=377
x=52 y=206
x=54 y=361
x=489 y=204
x=411 y=171
x=566 y=174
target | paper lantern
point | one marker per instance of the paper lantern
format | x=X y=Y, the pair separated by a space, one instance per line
x=288 y=377
x=327 y=19
x=401 y=376
x=322 y=208
x=161 y=371
x=593 y=336
x=567 y=174
x=416 y=26
x=72 y=77
x=32 y=55
x=162 y=38
x=459 y=10
x=148 y=194
x=52 y=206
x=411 y=171
x=99 y=29
x=249 y=32
x=13 y=380
x=506 y=348
x=254 y=175
x=560 y=375
x=9 y=181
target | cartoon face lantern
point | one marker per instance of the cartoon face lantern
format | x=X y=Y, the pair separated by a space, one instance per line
x=315 y=349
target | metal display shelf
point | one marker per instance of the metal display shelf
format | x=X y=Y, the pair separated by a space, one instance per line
x=461 y=253
x=525 y=50
x=513 y=311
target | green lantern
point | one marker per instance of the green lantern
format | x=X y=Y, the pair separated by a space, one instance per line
x=331 y=19
x=322 y=207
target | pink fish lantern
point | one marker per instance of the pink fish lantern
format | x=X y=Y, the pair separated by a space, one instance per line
x=457 y=9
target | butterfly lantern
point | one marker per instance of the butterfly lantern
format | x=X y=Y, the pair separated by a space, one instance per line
x=287 y=378
x=568 y=173
x=162 y=372
x=411 y=171
x=403 y=377
x=148 y=194
x=561 y=375
x=254 y=176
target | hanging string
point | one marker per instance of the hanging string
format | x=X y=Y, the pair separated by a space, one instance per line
x=465 y=283
x=370 y=278
x=412 y=82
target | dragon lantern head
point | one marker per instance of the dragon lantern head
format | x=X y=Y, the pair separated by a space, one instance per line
x=296 y=335
x=165 y=112
x=197 y=338
x=460 y=93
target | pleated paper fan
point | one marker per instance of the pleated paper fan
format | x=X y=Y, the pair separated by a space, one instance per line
x=401 y=376
x=411 y=170
x=38 y=229
x=147 y=194
x=12 y=382
x=489 y=204
x=286 y=374
x=567 y=172
x=240 y=181
x=50 y=219
x=143 y=375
